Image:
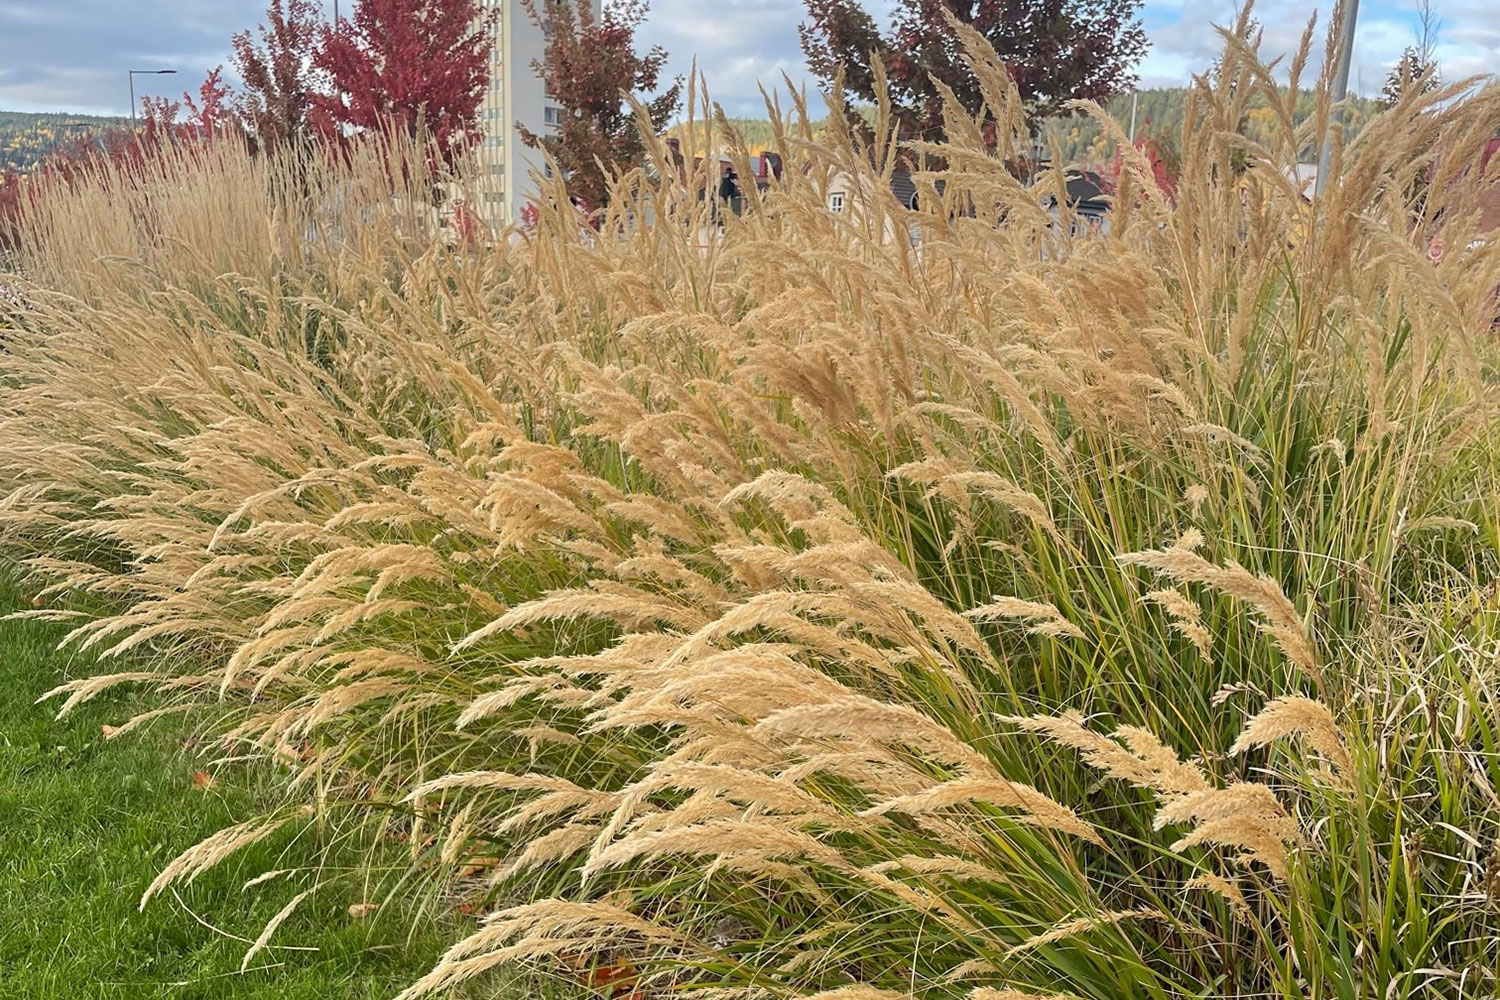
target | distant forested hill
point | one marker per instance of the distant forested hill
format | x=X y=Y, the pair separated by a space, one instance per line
x=26 y=138
x=1160 y=113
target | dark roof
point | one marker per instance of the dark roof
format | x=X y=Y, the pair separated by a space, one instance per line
x=1085 y=192
x=1084 y=186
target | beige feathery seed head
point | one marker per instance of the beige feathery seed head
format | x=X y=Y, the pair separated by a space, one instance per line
x=1175 y=603
x=1282 y=622
x=1082 y=925
x=1037 y=809
x=1047 y=619
x=198 y=859
x=632 y=609
x=144 y=718
x=1246 y=815
x=1196 y=496
x=1186 y=618
x=85 y=688
x=971 y=969
x=1294 y=715
x=937 y=865
x=765 y=793
x=1141 y=760
x=545 y=928
x=1190 y=540
x=259 y=944
x=864 y=720
x=1225 y=888
x=732 y=841
x=549 y=848
x=1215 y=435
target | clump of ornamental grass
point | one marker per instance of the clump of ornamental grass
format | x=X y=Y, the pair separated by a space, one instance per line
x=905 y=602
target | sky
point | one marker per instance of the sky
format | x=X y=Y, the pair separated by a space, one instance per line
x=73 y=55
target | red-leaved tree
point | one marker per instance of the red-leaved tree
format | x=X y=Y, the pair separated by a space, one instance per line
x=211 y=115
x=1054 y=50
x=591 y=65
x=116 y=155
x=14 y=197
x=1161 y=154
x=403 y=63
x=277 y=72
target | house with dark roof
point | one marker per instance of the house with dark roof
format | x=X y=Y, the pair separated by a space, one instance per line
x=1087 y=197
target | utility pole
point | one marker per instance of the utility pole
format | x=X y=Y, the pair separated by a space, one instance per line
x=142 y=72
x=1340 y=88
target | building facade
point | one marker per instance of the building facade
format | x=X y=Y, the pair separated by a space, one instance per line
x=517 y=95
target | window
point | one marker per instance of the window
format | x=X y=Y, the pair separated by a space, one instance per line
x=494 y=142
x=493 y=113
x=836 y=201
x=553 y=116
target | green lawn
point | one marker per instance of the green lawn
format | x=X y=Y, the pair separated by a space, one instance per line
x=85 y=825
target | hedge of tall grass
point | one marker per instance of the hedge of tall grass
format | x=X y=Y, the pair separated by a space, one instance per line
x=805 y=609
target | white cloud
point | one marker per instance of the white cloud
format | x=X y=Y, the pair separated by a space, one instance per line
x=736 y=44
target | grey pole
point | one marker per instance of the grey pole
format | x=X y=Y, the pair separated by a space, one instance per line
x=142 y=72
x=1340 y=88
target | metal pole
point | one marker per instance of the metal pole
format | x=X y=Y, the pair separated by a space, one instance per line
x=1135 y=99
x=142 y=72
x=1340 y=88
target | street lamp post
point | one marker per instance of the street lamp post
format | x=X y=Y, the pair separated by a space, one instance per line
x=1340 y=89
x=142 y=72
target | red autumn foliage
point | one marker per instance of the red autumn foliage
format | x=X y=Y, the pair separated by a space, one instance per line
x=1054 y=50
x=277 y=72
x=13 y=194
x=406 y=65
x=467 y=227
x=213 y=112
x=591 y=65
x=118 y=153
x=1163 y=158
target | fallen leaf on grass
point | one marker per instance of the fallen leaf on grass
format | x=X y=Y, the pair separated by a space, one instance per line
x=618 y=980
x=361 y=910
x=476 y=866
x=203 y=781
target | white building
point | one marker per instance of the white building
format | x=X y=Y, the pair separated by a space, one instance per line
x=517 y=94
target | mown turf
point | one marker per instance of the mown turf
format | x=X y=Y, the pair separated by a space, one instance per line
x=85 y=824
